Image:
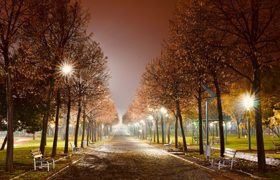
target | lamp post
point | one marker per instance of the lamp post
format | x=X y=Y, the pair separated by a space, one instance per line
x=67 y=70
x=150 y=117
x=209 y=99
x=143 y=127
x=162 y=111
x=212 y=126
x=248 y=103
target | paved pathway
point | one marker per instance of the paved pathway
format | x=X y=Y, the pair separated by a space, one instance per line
x=124 y=157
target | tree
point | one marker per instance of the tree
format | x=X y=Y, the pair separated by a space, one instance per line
x=253 y=30
x=13 y=17
x=199 y=47
x=59 y=26
x=167 y=80
x=92 y=76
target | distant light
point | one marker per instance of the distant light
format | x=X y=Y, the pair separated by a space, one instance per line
x=150 y=117
x=163 y=110
x=229 y=124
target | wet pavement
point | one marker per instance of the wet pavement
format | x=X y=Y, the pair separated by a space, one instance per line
x=124 y=157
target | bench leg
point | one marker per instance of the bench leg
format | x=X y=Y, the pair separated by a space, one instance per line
x=53 y=163
x=34 y=165
x=48 y=166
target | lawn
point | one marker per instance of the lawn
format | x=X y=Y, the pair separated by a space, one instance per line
x=23 y=160
x=233 y=142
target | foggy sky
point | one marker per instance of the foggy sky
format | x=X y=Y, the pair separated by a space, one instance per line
x=130 y=33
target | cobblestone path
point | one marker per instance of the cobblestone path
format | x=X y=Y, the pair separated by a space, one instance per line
x=124 y=157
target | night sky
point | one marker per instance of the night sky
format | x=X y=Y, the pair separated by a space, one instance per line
x=130 y=33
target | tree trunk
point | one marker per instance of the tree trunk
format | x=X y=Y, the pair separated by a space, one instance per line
x=168 y=133
x=56 y=123
x=78 y=122
x=178 y=109
x=220 y=116
x=34 y=136
x=67 y=120
x=95 y=131
x=199 y=101
x=154 y=131
x=238 y=129
x=46 y=118
x=10 y=131
x=84 y=127
x=157 y=131
x=176 y=130
x=258 y=119
x=4 y=143
x=88 y=131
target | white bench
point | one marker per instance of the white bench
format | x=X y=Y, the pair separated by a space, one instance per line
x=227 y=160
x=167 y=146
x=74 y=148
x=40 y=162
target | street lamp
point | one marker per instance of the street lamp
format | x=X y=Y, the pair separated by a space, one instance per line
x=151 y=127
x=248 y=103
x=162 y=112
x=143 y=127
x=66 y=70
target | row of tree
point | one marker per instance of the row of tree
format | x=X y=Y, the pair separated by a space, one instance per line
x=227 y=46
x=37 y=39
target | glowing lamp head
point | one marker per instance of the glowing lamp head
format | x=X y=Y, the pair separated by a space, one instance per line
x=248 y=101
x=66 y=69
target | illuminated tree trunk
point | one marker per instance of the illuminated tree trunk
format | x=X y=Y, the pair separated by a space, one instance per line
x=178 y=109
x=220 y=116
x=199 y=101
x=34 y=136
x=154 y=134
x=258 y=116
x=46 y=117
x=56 y=123
x=157 y=131
x=67 y=119
x=88 y=132
x=84 y=127
x=238 y=128
x=10 y=131
x=168 y=132
x=78 y=122
x=95 y=131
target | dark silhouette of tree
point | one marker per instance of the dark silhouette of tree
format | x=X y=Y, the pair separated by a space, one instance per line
x=253 y=30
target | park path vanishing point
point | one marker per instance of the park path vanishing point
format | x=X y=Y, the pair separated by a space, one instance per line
x=124 y=157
